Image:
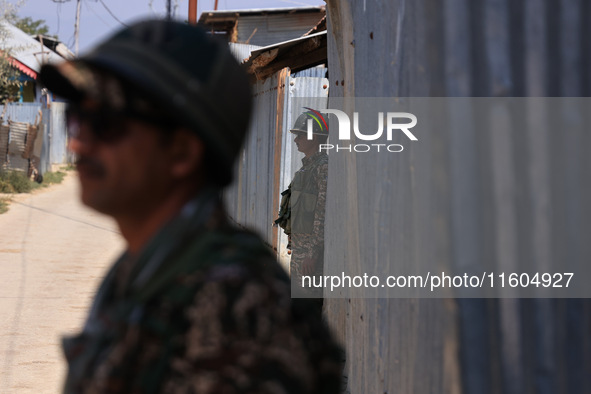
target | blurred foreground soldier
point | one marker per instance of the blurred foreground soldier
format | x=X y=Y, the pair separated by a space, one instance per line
x=307 y=204
x=157 y=116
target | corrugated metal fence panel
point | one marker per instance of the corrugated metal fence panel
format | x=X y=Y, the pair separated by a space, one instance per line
x=22 y=112
x=250 y=197
x=16 y=146
x=45 y=164
x=317 y=72
x=58 y=134
x=464 y=48
x=18 y=135
x=376 y=211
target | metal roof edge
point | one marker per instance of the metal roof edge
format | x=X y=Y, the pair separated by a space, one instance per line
x=258 y=11
x=25 y=49
x=285 y=44
x=266 y=60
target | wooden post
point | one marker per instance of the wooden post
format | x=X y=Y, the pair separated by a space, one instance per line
x=77 y=26
x=193 y=12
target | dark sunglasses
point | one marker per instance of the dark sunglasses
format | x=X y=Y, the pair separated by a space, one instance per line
x=108 y=125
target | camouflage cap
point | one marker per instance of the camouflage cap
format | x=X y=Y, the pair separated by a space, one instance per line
x=175 y=67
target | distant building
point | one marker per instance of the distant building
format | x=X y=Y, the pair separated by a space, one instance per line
x=27 y=55
x=262 y=27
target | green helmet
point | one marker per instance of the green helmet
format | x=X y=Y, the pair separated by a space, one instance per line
x=318 y=124
x=185 y=73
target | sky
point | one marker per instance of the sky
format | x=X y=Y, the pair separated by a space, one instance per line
x=97 y=23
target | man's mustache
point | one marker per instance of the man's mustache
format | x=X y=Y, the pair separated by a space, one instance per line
x=91 y=165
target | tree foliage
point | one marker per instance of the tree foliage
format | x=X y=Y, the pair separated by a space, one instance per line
x=9 y=81
x=32 y=27
x=9 y=76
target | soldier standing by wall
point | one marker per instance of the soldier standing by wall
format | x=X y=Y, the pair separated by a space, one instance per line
x=308 y=200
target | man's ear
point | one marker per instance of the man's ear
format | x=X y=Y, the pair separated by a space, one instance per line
x=186 y=153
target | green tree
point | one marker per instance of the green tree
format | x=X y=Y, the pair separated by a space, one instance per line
x=31 y=27
x=9 y=82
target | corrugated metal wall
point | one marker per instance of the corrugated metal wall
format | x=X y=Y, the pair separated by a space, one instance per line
x=317 y=72
x=252 y=196
x=44 y=132
x=270 y=158
x=58 y=135
x=265 y=30
x=22 y=112
x=463 y=48
x=52 y=130
x=16 y=147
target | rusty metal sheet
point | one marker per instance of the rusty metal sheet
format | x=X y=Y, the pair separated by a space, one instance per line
x=17 y=163
x=16 y=147
x=18 y=135
x=4 y=131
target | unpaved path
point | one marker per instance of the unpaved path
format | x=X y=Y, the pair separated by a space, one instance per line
x=53 y=252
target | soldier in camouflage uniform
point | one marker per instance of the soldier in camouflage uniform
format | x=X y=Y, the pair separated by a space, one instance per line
x=308 y=201
x=157 y=116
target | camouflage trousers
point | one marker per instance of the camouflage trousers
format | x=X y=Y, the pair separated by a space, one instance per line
x=300 y=251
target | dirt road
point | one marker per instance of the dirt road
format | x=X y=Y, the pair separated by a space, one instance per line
x=53 y=252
